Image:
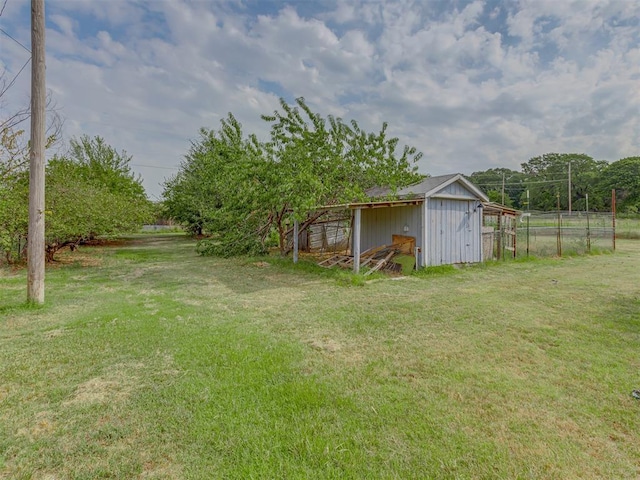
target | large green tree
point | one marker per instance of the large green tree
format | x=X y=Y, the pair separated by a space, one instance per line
x=14 y=215
x=14 y=186
x=81 y=206
x=547 y=176
x=241 y=191
x=91 y=192
x=623 y=176
x=221 y=189
x=493 y=180
x=326 y=161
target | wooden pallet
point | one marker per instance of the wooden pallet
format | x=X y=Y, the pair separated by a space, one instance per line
x=375 y=259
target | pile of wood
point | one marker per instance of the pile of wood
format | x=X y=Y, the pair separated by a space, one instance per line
x=374 y=259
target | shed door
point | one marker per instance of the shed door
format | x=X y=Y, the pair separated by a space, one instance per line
x=452 y=232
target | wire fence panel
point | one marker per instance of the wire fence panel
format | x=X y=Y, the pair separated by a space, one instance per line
x=546 y=234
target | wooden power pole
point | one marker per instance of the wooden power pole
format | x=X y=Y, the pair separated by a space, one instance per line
x=569 y=188
x=35 y=241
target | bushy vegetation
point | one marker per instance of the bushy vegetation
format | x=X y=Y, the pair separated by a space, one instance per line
x=241 y=191
x=547 y=176
x=90 y=193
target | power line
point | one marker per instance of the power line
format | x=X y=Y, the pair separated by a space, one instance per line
x=153 y=166
x=3 y=31
x=523 y=183
x=5 y=4
x=15 y=77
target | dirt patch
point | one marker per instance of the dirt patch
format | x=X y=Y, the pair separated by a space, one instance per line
x=67 y=257
x=325 y=344
x=119 y=242
x=58 y=332
x=114 y=386
x=99 y=390
x=43 y=425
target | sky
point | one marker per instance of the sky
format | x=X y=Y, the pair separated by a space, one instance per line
x=472 y=84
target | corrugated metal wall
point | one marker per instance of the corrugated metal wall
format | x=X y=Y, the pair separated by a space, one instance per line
x=454 y=231
x=379 y=224
x=453 y=227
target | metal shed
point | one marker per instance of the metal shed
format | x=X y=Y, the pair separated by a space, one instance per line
x=443 y=214
x=440 y=217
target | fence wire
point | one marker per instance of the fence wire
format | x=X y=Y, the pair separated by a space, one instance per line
x=564 y=233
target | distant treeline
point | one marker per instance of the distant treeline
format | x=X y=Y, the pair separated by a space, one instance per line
x=547 y=180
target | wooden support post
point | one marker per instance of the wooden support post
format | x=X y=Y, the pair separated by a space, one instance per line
x=295 y=241
x=356 y=239
x=499 y=238
x=613 y=217
x=424 y=246
x=35 y=240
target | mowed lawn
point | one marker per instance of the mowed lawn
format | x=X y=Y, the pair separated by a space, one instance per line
x=148 y=361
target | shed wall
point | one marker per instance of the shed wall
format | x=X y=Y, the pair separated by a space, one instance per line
x=379 y=224
x=454 y=231
x=458 y=189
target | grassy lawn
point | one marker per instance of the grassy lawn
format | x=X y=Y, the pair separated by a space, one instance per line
x=151 y=362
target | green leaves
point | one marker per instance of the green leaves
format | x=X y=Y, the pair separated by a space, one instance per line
x=240 y=190
x=624 y=177
x=89 y=193
x=91 y=199
x=548 y=175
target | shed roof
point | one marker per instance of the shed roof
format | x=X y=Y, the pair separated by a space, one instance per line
x=429 y=187
x=493 y=208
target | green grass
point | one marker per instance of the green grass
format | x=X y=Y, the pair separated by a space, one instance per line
x=628 y=227
x=148 y=361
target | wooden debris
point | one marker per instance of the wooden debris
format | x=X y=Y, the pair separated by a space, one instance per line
x=375 y=259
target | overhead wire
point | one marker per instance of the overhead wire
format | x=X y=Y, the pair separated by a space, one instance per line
x=153 y=166
x=10 y=84
x=18 y=42
x=15 y=77
x=523 y=182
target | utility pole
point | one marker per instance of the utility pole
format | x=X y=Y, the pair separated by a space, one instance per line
x=569 y=194
x=35 y=241
x=502 y=188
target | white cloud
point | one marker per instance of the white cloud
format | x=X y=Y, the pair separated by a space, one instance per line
x=474 y=86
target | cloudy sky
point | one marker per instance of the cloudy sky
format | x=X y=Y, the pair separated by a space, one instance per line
x=472 y=84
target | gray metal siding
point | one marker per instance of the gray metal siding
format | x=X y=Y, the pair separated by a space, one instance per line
x=454 y=231
x=457 y=189
x=379 y=224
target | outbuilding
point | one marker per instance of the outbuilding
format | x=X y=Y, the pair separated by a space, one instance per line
x=439 y=220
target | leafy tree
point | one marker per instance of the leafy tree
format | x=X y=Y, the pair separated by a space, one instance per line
x=548 y=175
x=241 y=190
x=623 y=176
x=14 y=186
x=490 y=181
x=81 y=208
x=91 y=193
x=220 y=189
x=106 y=167
x=14 y=215
x=327 y=161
